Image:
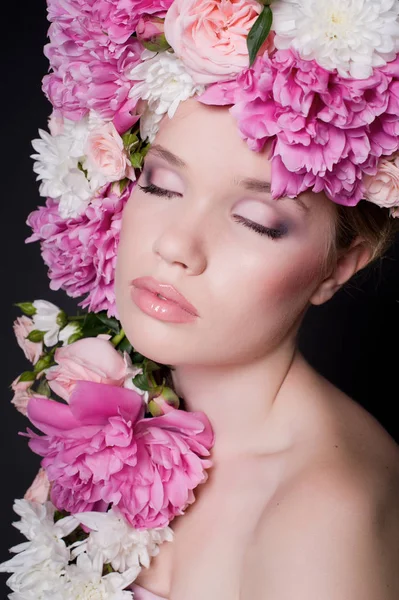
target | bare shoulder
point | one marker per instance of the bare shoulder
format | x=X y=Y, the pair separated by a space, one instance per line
x=331 y=532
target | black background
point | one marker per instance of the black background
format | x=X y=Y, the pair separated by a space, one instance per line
x=352 y=340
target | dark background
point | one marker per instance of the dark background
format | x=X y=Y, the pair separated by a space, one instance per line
x=352 y=340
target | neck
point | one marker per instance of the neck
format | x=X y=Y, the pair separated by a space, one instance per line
x=239 y=400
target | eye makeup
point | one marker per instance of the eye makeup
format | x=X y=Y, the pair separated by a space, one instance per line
x=272 y=232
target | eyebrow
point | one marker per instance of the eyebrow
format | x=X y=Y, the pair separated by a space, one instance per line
x=249 y=183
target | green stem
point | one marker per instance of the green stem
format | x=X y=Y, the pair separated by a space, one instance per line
x=118 y=338
x=77 y=318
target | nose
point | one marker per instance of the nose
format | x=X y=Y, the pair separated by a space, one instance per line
x=181 y=243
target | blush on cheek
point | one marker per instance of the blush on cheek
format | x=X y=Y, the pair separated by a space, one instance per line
x=294 y=283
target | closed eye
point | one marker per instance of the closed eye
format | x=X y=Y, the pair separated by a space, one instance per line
x=269 y=231
x=157 y=191
x=273 y=233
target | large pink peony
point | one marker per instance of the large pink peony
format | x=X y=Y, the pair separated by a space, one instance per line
x=88 y=359
x=81 y=252
x=99 y=450
x=326 y=132
x=90 y=51
x=210 y=36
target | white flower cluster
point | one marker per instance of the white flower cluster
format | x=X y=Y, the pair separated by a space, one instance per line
x=76 y=159
x=163 y=81
x=45 y=568
x=352 y=36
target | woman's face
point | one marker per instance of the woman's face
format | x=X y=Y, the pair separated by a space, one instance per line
x=248 y=264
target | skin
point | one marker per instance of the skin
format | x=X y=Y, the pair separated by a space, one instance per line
x=289 y=445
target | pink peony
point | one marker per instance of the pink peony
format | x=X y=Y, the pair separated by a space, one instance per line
x=40 y=488
x=327 y=132
x=22 y=328
x=81 y=252
x=88 y=359
x=99 y=450
x=119 y=18
x=105 y=156
x=383 y=187
x=210 y=36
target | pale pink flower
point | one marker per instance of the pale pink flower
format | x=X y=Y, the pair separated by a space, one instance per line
x=99 y=450
x=88 y=359
x=210 y=36
x=40 y=488
x=21 y=394
x=22 y=328
x=383 y=187
x=105 y=157
x=81 y=252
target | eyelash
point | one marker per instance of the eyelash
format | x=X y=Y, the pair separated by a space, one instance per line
x=260 y=229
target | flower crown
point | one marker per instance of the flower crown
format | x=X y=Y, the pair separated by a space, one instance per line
x=318 y=82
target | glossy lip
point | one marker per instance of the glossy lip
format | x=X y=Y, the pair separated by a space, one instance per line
x=166 y=290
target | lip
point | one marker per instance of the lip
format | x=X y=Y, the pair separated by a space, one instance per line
x=173 y=306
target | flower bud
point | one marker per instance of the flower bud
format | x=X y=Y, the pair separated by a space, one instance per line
x=70 y=333
x=150 y=32
x=44 y=363
x=162 y=400
x=27 y=308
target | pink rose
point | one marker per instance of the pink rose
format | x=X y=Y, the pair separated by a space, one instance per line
x=22 y=328
x=106 y=158
x=40 y=488
x=210 y=36
x=100 y=450
x=89 y=359
x=21 y=394
x=383 y=187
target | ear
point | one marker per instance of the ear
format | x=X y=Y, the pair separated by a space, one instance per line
x=347 y=263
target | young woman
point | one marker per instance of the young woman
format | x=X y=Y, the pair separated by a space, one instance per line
x=213 y=169
x=302 y=500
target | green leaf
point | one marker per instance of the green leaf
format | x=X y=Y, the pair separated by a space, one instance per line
x=36 y=336
x=150 y=366
x=123 y=184
x=27 y=376
x=141 y=382
x=43 y=389
x=125 y=346
x=27 y=308
x=259 y=32
x=137 y=357
x=110 y=322
x=136 y=160
x=130 y=140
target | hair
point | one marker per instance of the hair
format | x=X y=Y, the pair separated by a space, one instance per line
x=371 y=222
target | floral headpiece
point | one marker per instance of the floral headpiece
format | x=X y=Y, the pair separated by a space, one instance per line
x=318 y=83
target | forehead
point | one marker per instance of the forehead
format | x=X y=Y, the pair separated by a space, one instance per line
x=207 y=137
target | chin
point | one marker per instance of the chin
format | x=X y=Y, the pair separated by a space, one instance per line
x=157 y=341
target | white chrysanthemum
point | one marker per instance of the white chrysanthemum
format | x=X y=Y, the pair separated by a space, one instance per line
x=162 y=80
x=39 y=563
x=84 y=581
x=112 y=540
x=60 y=165
x=352 y=36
